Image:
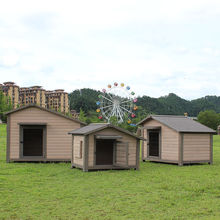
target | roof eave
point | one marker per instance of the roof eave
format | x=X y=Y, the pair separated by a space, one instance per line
x=44 y=109
x=106 y=126
x=144 y=120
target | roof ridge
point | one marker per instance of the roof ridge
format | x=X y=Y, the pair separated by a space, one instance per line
x=177 y=116
x=99 y=123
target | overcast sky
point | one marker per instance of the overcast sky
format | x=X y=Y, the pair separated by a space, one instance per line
x=156 y=47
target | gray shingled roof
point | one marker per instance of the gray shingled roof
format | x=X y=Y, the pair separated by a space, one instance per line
x=180 y=123
x=91 y=128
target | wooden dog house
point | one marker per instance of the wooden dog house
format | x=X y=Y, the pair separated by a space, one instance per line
x=38 y=134
x=104 y=146
x=176 y=139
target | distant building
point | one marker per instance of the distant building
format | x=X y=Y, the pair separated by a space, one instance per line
x=10 y=89
x=32 y=95
x=57 y=100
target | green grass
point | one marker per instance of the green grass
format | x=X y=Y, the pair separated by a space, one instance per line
x=157 y=191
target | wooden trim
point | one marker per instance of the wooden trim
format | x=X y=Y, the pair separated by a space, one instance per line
x=211 y=149
x=181 y=140
x=196 y=161
x=39 y=159
x=110 y=167
x=160 y=143
x=85 y=156
x=138 y=154
x=147 y=143
x=114 y=152
x=72 y=156
x=8 y=138
x=152 y=127
x=176 y=161
x=94 y=151
x=195 y=132
x=142 y=144
x=161 y=160
x=31 y=123
x=21 y=139
x=108 y=137
x=127 y=150
x=45 y=141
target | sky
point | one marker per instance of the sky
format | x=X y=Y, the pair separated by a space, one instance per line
x=156 y=47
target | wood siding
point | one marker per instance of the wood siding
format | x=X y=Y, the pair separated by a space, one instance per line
x=121 y=153
x=196 y=147
x=169 y=141
x=144 y=144
x=58 y=143
x=125 y=138
x=76 y=150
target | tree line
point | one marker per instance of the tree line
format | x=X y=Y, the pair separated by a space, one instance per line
x=205 y=108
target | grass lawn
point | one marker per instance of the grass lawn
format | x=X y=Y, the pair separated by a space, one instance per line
x=157 y=191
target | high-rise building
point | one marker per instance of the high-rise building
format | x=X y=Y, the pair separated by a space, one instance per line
x=57 y=100
x=10 y=89
x=32 y=95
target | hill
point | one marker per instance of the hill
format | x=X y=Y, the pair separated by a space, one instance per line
x=169 y=104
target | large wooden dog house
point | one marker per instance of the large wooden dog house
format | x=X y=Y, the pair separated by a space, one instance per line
x=38 y=134
x=176 y=139
x=104 y=146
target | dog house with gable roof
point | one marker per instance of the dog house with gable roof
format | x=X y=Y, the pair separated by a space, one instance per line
x=176 y=139
x=104 y=146
x=35 y=133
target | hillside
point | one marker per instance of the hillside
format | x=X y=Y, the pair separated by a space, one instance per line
x=170 y=104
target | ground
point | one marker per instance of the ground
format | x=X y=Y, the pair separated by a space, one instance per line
x=157 y=191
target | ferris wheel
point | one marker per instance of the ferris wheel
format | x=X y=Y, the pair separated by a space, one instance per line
x=117 y=101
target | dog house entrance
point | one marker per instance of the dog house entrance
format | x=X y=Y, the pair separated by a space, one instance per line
x=154 y=136
x=32 y=141
x=104 y=151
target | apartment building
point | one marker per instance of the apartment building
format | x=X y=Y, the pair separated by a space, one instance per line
x=32 y=95
x=57 y=100
x=10 y=89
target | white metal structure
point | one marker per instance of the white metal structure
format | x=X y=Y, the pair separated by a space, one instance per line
x=117 y=101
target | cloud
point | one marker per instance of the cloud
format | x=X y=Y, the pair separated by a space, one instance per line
x=156 y=47
x=39 y=21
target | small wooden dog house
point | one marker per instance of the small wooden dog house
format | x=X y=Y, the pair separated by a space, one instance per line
x=38 y=134
x=176 y=139
x=104 y=146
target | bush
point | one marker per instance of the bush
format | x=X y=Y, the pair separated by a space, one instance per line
x=209 y=118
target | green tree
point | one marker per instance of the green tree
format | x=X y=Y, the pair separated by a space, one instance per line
x=209 y=118
x=82 y=116
x=5 y=106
